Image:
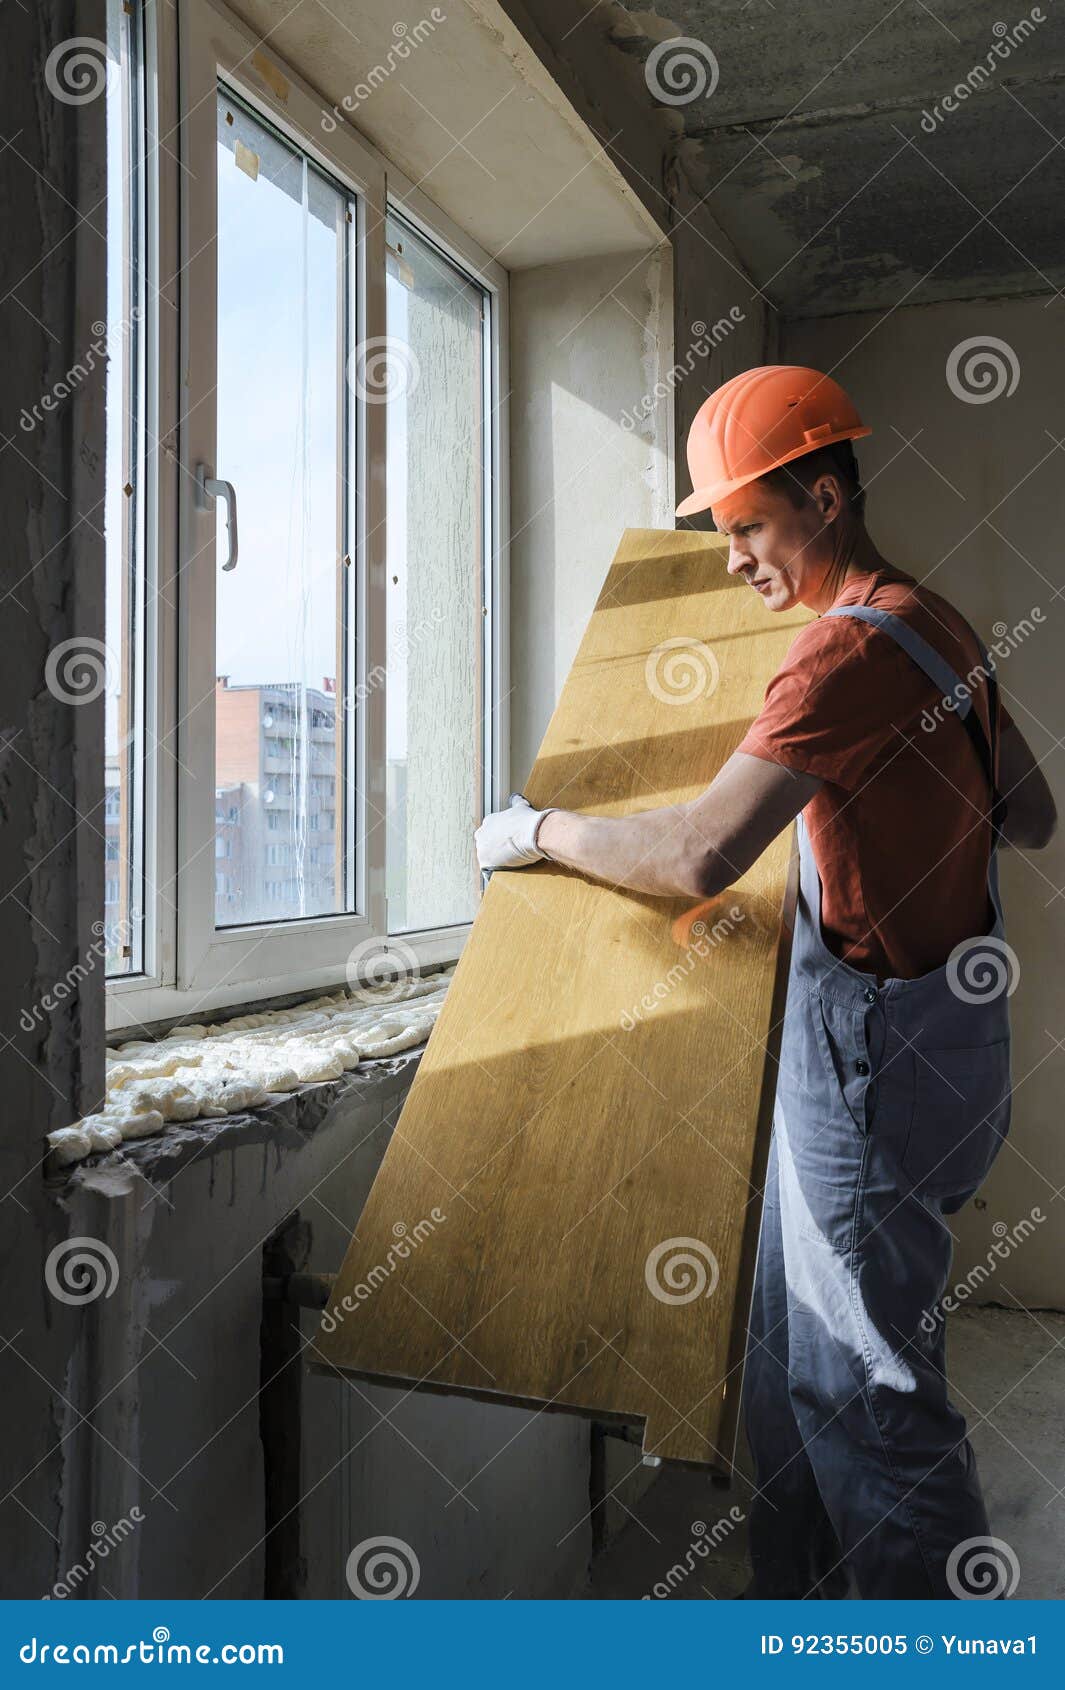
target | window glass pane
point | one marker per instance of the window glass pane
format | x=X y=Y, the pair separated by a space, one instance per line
x=437 y=445
x=121 y=343
x=282 y=243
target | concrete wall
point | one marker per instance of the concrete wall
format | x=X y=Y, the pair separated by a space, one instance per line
x=51 y=751
x=589 y=341
x=677 y=321
x=146 y=1399
x=169 y=1367
x=604 y=353
x=970 y=496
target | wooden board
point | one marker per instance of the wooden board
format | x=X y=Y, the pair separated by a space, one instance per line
x=592 y=1093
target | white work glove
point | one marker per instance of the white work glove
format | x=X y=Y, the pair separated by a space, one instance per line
x=507 y=838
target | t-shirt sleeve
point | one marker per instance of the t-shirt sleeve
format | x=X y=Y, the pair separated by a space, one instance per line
x=846 y=694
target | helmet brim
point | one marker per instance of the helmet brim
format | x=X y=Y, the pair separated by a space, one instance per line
x=703 y=497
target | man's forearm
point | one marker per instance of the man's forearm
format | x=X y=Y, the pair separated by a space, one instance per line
x=659 y=851
x=685 y=850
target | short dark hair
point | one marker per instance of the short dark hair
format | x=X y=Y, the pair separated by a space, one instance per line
x=797 y=478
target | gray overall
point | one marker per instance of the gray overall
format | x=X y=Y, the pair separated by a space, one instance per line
x=892 y=1102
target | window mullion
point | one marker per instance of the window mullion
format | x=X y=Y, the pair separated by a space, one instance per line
x=197 y=549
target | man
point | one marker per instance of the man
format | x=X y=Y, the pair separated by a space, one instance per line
x=882 y=734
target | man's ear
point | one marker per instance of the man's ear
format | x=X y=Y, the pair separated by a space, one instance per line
x=828 y=496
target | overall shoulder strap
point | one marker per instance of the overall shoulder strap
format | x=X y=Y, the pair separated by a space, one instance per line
x=950 y=684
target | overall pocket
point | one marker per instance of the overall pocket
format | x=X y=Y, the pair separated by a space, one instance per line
x=961 y=1115
x=840 y=1035
x=822 y=1147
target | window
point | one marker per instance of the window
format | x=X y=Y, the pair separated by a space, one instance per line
x=317 y=707
x=437 y=517
x=122 y=343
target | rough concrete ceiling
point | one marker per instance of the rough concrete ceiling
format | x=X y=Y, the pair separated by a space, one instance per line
x=821 y=156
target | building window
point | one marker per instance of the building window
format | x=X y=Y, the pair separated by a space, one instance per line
x=438 y=507
x=334 y=369
x=123 y=345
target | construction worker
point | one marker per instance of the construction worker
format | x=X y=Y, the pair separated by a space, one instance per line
x=884 y=735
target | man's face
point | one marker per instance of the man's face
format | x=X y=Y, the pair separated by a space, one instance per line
x=782 y=550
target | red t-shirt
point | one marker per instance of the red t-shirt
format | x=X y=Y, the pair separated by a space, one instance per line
x=900 y=830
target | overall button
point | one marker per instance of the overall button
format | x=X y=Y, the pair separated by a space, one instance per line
x=861 y=1067
x=870 y=995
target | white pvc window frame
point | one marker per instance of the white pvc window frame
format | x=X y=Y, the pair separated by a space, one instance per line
x=190 y=966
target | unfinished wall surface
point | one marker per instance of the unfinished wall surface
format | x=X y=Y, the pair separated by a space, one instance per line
x=722 y=322
x=590 y=456
x=171 y=1365
x=52 y=185
x=966 y=490
x=472 y=116
x=878 y=152
x=146 y=1398
x=598 y=379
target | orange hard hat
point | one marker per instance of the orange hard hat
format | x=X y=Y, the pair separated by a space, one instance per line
x=759 y=420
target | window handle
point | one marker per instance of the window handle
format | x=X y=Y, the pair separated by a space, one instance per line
x=208 y=488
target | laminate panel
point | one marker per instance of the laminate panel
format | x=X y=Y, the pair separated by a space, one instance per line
x=566 y=1215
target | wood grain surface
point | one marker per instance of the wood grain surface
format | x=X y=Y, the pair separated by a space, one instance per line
x=567 y=1212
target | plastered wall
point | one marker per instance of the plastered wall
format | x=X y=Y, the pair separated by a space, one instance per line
x=589 y=340
x=147 y=1399
x=51 y=754
x=608 y=355
x=169 y=1366
x=967 y=490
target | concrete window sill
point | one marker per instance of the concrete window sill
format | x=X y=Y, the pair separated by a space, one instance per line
x=261 y=1075
x=287 y=1120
